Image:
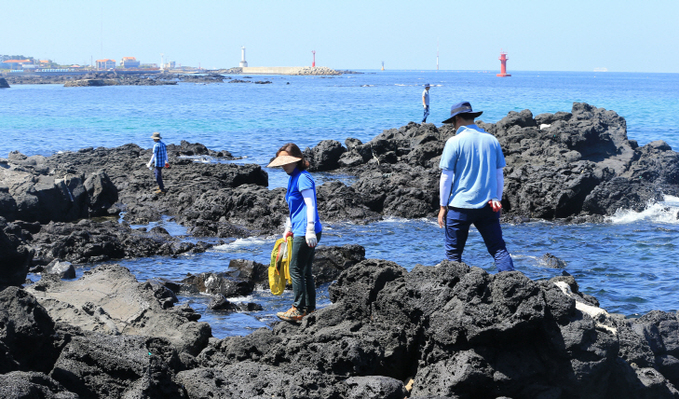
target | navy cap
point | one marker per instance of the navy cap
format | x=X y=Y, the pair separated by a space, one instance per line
x=461 y=108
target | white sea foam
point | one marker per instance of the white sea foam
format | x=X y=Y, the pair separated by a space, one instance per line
x=248 y=298
x=243 y=243
x=198 y=158
x=665 y=211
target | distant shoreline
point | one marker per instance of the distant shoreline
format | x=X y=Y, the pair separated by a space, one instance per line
x=155 y=77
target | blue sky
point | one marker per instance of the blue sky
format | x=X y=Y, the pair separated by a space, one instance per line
x=557 y=35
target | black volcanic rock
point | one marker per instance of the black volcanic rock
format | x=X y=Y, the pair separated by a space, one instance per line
x=437 y=331
x=30 y=193
x=576 y=164
x=452 y=331
x=90 y=83
x=15 y=253
x=324 y=156
x=27 y=385
x=26 y=333
x=88 y=241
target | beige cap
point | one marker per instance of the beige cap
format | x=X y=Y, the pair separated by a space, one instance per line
x=156 y=135
x=281 y=160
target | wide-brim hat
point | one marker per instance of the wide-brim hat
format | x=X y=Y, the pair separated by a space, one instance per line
x=283 y=160
x=462 y=108
x=156 y=135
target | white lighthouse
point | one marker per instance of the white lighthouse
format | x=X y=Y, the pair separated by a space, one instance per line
x=243 y=63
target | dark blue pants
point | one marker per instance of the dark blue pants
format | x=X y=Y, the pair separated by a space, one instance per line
x=303 y=287
x=158 y=172
x=426 y=114
x=487 y=223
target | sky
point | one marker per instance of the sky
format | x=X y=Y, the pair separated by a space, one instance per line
x=555 y=35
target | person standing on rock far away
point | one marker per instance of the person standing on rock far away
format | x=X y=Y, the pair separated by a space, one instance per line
x=471 y=187
x=425 y=102
x=158 y=161
x=304 y=225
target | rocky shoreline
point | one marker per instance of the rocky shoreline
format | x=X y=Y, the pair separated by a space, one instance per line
x=112 y=78
x=444 y=330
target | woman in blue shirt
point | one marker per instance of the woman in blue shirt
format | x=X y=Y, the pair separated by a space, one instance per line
x=304 y=226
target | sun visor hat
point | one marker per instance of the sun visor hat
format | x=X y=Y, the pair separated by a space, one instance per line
x=283 y=160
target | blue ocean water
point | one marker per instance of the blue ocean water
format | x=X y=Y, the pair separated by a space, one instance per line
x=628 y=263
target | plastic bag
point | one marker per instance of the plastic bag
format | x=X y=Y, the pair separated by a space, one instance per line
x=279 y=272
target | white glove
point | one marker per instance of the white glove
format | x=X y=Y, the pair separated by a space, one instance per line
x=148 y=165
x=288 y=228
x=310 y=236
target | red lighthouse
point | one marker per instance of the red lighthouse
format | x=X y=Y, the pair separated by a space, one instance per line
x=503 y=67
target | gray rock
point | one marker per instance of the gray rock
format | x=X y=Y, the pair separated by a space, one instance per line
x=28 y=385
x=61 y=269
x=103 y=366
x=219 y=302
x=14 y=252
x=324 y=156
x=89 y=241
x=95 y=303
x=26 y=333
x=218 y=284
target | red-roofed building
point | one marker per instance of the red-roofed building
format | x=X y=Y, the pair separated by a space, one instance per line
x=15 y=64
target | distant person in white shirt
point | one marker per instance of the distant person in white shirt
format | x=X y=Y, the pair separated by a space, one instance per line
x=425 y=102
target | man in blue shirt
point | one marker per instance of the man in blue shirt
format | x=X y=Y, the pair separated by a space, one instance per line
x=158 y=161
x=471 y=187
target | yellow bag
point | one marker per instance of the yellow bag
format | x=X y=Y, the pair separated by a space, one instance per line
x=279 y=272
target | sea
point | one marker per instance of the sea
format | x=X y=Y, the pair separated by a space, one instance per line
x=629 y=262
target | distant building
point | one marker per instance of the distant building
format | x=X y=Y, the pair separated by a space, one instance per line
x=130 y=62
x=15 y=64
x=106 y=64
